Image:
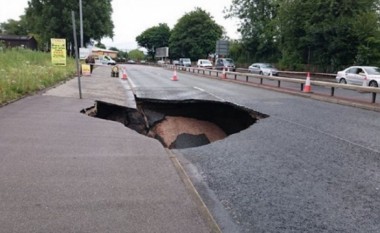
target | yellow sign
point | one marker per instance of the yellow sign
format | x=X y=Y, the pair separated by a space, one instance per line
x=58 y=51
x=86 y=70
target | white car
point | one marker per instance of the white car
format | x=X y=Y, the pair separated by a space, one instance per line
x=359 y=75
x=263 y=69
x=204 y=63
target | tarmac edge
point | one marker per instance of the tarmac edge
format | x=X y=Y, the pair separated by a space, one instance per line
x=201 y=206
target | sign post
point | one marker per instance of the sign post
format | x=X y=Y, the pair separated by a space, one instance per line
x=76 y=54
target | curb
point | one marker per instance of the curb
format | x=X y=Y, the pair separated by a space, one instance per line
x=201 y=206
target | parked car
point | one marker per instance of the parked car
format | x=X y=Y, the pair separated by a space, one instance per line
x=225 y=63
x=263 y=69
x=185 y=62
x=131 y=61
x=204 y=63
x=358 y=74
x=175 y=62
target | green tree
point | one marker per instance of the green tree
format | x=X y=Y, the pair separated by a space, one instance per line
x=122 y=56
x=15 y=27
x=194 y=35
x=52 y=19
x=113 y=49
x=330 y=33
x=258 y=28
x=136 y=55
x=154 y=37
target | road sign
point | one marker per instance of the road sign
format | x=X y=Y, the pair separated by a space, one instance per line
x=222 y=47
x=162 y=52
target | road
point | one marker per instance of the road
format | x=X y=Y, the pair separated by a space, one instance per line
x=311 y=166
x=364 y=97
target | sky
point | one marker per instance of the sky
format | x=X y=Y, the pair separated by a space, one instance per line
x=132 y=17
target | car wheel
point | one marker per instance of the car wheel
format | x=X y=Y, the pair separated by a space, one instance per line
x=343 y=81
x=373 y=84
x=261 y=73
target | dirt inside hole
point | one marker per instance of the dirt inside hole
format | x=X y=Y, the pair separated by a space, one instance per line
x=179 y=124
x=168 y=130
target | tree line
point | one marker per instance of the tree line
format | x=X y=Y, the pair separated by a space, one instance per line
x=326 y=35
x=323 y=35
x=52 y=19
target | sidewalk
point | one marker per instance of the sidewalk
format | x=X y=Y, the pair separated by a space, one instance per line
x=63 y=171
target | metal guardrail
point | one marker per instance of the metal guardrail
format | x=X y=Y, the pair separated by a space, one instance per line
x=279 y=79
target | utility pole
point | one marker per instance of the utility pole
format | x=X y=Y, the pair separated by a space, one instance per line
x=81 y=23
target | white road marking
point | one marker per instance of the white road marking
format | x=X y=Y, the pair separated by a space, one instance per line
x=217 y=97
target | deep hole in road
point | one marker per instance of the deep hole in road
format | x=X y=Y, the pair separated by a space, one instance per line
x=179 y=124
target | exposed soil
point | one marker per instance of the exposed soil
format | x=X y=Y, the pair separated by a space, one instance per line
x=169 y=129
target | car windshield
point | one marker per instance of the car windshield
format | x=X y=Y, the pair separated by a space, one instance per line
x=372 y=70
x=267 y=66
x=207 y=62
x=186 y=60
x=229 y=61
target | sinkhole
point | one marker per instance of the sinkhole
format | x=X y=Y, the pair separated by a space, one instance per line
x=179 y=124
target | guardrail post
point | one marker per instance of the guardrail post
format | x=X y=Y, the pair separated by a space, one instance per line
x=209 y=73
x=301 y=86
x=246 y=78
x=278 y=83
x=261 y=80
x=332 y=91
x=373 y=97
x=216 y=73
x=235 y=76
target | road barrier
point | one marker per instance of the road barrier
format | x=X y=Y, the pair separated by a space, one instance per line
x=248 y=77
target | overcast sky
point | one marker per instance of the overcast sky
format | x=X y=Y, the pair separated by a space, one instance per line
x=132 y=17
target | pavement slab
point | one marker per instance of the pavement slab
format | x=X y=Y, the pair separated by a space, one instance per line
x=63 y=171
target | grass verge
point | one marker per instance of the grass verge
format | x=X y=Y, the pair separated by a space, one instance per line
x=24 y=72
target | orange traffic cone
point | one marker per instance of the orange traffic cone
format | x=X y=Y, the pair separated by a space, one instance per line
x=124 y=70
x=224 y=73
x=175 y=78
x=307 y=87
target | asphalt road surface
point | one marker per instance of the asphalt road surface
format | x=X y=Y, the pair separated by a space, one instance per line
x=311 y=166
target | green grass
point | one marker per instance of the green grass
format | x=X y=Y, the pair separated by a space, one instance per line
x=23 y=72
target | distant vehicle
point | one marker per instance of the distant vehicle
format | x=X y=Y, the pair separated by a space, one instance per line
x=263 y=69
x=131 y=61
x=357 y=75
x=185 y=62
x=160 y=62
x=142 y=61
x=204 y=63
x=104 y=60
x=225 y=63
x=175 y=62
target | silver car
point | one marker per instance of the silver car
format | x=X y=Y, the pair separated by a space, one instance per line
x=360 y=75
x=263 y=69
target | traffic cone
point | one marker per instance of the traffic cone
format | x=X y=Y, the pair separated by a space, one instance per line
x=307 y=87
x=224 y=73
x=175 y=78
x=365 y=81
x=124 y=70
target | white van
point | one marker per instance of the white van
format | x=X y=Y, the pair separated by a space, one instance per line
x=104 y=60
